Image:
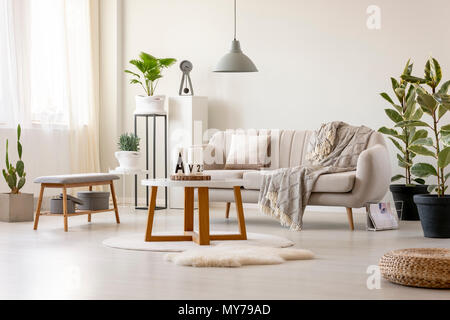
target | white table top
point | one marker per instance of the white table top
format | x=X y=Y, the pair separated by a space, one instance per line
x=230 y=183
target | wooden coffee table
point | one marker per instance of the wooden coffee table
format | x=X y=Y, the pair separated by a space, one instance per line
x=203 y=237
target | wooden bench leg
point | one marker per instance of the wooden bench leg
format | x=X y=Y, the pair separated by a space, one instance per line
x=90 y=215
x=116 y=208
x=65 y=211
x=203 y=214
x=151 y=215
x=227 y=212
x=350 y=218
x=38 y=209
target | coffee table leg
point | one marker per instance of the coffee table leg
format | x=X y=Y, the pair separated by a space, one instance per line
x=151 y=214
x=240 y=212
x=203 y=198
x=188 y=209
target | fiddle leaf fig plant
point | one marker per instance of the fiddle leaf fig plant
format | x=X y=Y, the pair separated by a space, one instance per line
x=149 y=71
x=15 y=176
x=434 y=104
x=403 y=136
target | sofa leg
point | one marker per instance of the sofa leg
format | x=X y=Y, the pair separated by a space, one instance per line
x=227 y=213
x=350 y=218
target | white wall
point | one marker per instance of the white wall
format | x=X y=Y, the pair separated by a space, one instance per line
x=45 y=152
x=318 y=61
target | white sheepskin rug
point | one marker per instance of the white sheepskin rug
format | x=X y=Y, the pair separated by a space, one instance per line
x=233 y=256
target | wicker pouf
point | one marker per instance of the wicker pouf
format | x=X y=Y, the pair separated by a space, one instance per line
x=427 y=268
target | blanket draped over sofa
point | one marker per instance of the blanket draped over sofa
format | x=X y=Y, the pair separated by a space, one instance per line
x=334 y=148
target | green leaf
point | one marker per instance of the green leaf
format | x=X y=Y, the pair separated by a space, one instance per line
x=447 y=176
x=419 y=134
x=408 y=68
x=7 y=155
x=427 y=102
x=423 y=142
x=20 y=167
x=397 y=177
x=412 y=123
x=388 y=131
x=410 y=107
x=19 y=132
x=442 y=110
x=423 y=170
x=421 y=150
x=431 y=188
x=445 y=128
x=399 y=147
x=437 y=72
x=428 y=76
x=403 y=161
x=444 y=87
x=400 y=93
x=167 y=62
x=418 y=114
x=444 y=158
x=19 y=149
x=445 y=138
x=419 y=181
x=387 y=98
x=413 y=79
x=21 y=183
x=394 y=115
x=133 y=73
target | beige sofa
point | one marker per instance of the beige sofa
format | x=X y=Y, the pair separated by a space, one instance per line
x=369 y=183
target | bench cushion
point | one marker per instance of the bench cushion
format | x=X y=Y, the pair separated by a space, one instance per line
x=77 y=178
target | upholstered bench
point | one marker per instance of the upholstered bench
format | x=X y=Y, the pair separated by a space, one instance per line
x=75 y=181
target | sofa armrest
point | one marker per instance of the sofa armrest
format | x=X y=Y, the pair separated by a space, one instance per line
x=373 y=176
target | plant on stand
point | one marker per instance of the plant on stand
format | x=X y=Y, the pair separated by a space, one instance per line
x=148 y=76
x=129 y=154
x=405 y=110
x=15 y=206
x=434 y=210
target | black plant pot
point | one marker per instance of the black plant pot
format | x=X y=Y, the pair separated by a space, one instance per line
x=434 y=215
x=405 y=194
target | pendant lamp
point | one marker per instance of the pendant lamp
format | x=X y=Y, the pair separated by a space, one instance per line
x=235 y=60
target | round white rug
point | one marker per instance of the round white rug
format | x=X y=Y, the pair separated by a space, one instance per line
x=136 y=241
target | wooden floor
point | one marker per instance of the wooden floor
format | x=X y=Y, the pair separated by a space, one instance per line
x=52 y=264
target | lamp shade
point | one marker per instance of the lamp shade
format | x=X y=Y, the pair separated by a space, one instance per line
x=235 y=61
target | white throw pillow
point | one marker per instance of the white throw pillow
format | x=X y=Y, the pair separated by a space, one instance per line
x=248 y=152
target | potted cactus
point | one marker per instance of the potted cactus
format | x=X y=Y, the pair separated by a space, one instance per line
x=434 y=209
x=15 y=206
x=403 y=137
x=129 y=154
x=147 y=76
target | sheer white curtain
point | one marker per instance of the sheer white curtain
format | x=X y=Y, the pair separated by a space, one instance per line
x=49 y=71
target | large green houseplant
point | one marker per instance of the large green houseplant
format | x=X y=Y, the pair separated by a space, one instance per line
x=148 y=73
x=15 y=206
x=434 y=210
x=403 y=137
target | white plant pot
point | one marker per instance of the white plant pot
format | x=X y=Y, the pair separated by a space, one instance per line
x=128 y=160
x=150 y=105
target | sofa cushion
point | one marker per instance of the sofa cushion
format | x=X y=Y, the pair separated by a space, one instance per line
x=225 y=174
x=333 y=183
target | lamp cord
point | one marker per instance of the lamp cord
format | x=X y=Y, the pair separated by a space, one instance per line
x=235 y=18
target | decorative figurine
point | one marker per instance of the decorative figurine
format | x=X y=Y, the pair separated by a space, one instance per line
x=186 y=88
x=180 y=163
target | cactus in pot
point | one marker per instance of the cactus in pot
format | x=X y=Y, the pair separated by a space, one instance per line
x=15 y=176
x=15 y=206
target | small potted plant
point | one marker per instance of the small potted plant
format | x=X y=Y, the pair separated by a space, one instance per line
x=434 y=209
x=15 y=206
x=149 y=73
x=403 y=138
x=129 y=154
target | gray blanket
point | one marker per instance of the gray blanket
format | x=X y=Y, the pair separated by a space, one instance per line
x=335 y=147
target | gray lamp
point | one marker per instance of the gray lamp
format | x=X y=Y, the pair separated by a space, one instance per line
x=235 y=60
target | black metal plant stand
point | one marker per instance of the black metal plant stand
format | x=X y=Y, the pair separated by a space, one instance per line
x=147 y=116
